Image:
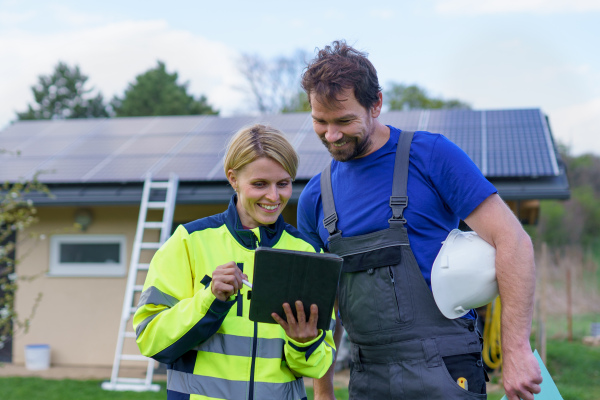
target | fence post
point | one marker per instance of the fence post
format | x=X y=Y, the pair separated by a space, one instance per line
x=569 y=303
x=542 y=325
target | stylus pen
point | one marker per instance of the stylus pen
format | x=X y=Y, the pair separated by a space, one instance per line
x=245 y=282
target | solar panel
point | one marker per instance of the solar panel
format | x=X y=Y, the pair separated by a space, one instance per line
x=126 y=168
x=312 y=163
x=11 y=144
x=227 y=126
x=15 y=168
x=287 y=123
x=311 y=143
x=519 y=144
x=503 y=143
x=463 y=127
x=194 y=168
x=206 y=143
x=99 y=146
x=51 y=147
x=71 y=169
x=407 y=120
x=174 y=124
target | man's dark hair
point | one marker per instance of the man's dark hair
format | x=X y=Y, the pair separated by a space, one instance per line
x=339 y=67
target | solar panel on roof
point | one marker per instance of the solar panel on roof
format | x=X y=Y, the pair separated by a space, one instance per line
x=311 y=143
x=174 y=124
x=14 y=168
x=193 y=167
x=503 y=143
x=66 y=170
x=312 y=163
x=407 y=120
x=126 y=168
x=127 y=126
x=202 y=143
x=99 y=146
x=12 y=144
x=227 y=125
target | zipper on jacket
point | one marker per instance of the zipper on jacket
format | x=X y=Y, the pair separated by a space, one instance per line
x=253 y=364
x=254 y=341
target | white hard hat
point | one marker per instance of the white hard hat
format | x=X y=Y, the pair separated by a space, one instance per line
x=464 y=274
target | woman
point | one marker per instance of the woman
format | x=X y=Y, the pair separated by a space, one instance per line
x=193 y=312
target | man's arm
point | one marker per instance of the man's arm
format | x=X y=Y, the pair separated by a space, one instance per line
x=323 y=388
x=515 y=271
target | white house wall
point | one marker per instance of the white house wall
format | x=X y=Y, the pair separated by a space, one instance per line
x=79 y=317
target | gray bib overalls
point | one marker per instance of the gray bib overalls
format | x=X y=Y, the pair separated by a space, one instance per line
x=398 y=336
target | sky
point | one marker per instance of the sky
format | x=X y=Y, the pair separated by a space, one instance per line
x=492 y=54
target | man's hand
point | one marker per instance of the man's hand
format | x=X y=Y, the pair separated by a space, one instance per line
x=226 y=280
x=301 y=330
x=521 y=375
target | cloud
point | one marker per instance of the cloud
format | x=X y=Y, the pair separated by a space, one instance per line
x=383 y=14
x=8 y=18
x=67 y=15
x=112 y=55
x=578 y=126
x=476 y=7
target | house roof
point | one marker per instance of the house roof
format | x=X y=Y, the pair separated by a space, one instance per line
x=100 y=160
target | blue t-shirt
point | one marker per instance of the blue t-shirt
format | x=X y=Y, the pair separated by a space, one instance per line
x=444 y=186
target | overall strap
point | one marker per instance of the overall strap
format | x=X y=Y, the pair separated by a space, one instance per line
x=399 y=198
x=330 y=216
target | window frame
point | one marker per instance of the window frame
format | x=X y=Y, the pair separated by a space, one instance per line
x=83 y=270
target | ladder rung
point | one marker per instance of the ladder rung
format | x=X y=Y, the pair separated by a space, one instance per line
x=157 y=204
x=138 y=288
x=131 y=380
x=132 y=386
x=159 y=185
x=129 y=334
x=153 y=225
x=150 y=245
x=134 y=357
x=143 y=267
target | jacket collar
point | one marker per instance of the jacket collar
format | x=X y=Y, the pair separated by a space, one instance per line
x=265 y=236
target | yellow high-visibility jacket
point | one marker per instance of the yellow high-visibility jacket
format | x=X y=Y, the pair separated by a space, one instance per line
x=211 y=348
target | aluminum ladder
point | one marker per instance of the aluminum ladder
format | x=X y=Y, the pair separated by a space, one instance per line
x=152 y=192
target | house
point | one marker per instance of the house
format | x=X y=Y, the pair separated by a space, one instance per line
x=95 y=169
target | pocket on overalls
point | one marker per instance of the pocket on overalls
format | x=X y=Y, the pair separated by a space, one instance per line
x=370 y=301
x=466 y=371
x=437 y=381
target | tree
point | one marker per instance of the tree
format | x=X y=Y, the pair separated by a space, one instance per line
x=156 y=92
x=63 y=95
x=577 y=220
x=274 y=84
x=297 y=103
x=408 y=97
x=16 y=214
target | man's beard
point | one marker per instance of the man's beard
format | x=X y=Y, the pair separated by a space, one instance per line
x=356 y=150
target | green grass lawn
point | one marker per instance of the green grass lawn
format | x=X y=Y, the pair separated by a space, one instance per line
x=67 y=389
x=574 y=367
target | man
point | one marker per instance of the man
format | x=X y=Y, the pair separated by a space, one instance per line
x=387 y=217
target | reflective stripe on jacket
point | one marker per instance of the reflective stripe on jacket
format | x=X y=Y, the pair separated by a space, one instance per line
x=211 y=347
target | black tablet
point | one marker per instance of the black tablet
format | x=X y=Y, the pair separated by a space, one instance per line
x=284 y=276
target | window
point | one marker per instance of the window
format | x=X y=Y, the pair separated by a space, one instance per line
x=87 y=255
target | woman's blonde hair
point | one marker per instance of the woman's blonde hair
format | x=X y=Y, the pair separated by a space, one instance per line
x=257 y=141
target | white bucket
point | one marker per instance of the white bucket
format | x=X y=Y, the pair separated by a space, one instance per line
x=37 y=356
